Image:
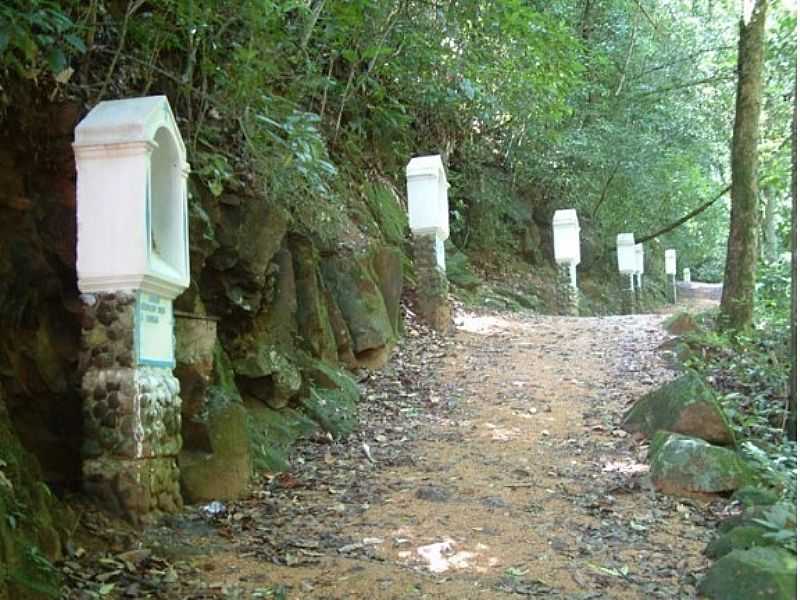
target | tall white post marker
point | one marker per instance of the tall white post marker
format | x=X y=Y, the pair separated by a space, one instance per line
x=133 y=260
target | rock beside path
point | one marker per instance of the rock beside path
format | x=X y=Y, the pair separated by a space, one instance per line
x=686 y=406
x=764 y=573
x=685 y=466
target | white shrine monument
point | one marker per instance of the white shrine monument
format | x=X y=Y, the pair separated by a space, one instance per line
x=567 y=253
x=638 y=279
x=132 y=261
x=429 y=221
x=627 y=264
x=671 y=269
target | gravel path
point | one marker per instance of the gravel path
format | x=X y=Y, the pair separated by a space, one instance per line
x=489 y=465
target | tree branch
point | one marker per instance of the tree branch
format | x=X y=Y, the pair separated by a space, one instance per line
x=683 y=59
x=604 y=193
x=647 y=16
x=627 y=58
x=683 y=219
x=681 y=86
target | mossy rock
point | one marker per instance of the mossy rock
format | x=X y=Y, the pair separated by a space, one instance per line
x=268 y=375
x=764 y=573
x=682 y=324
x=33 y=524
x=387 y=264
x=387 y=211
x=353 y=284
x=334 y=411
x=518 y=300
x=313 y=321
x=272 y=434
x=743 y=537
x=333 y=403
x=223 y=473
x=687 y=406
x=780 y=511
x=686 y=466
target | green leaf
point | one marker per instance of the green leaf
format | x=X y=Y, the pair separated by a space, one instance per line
x=106 y=589
x=76 y=42
x=56 y=60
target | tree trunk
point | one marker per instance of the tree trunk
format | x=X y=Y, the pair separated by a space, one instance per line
x=791 y=422
x=740 y=264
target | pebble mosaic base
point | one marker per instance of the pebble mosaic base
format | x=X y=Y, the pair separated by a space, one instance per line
x=433 y=303
x=132 y=414
x=567 y=295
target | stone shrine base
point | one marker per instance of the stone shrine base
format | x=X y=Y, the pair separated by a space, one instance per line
x=567 y=294
x=433 y=304
x=131 y=414
x=134 y=487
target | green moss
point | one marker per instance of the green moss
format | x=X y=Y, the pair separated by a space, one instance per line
x=681 y=324
x=681 y=465
x=223 y=473
x=685 y=405
x=754 y=495
x=272 y=433
x=223 y=375
x=32 y=522
x=459 y=270
x=387 y=212
x=334 y=410
x=739 y=538
x=752 y=514
x=766 y=573
x=353 y=285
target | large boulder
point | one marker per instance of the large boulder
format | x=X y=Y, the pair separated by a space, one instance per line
x=681 y=324
x=685 y=405
x=686 y=466
x=223 y=472
x=195 y=349
x=353 y=284
x=33 y=524
x=313 y=321
x=248 y=234
x=764 y=573
x=387 y=264
x=332 y=400
x=266 y=374
x=273 y=432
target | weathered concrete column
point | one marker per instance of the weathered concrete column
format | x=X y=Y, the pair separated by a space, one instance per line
x=429 y=220
x=670 y=268
x=433 y=303
x=687 y=275
x=627 y=294
x=638 y=279
x=637 y=293
x=627 y=265
x=133 y=260
x=567 y=252
x=566 y=290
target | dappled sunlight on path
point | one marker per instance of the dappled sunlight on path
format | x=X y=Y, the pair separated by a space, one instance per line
x=513 y=477
x=488 y=464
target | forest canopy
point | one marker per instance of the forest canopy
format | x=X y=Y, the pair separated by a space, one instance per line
x=620 y=108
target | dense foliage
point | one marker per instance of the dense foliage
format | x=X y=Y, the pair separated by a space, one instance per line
x=751 y=372
x=621 y=109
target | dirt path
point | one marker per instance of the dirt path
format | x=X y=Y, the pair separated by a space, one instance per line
x=489 y=466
